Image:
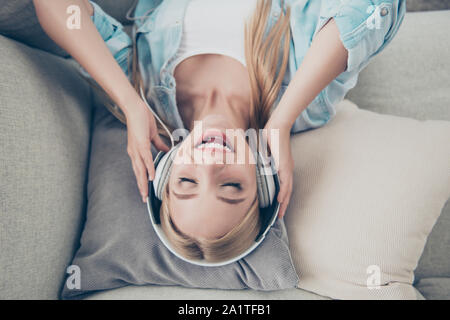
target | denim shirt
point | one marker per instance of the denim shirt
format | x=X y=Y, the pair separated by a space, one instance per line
x=365 y=27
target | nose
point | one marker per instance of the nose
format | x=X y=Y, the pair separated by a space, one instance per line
x=210 y=172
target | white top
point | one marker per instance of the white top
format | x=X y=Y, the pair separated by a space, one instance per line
x=215 y=26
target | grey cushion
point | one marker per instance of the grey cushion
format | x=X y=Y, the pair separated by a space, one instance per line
x=435 y=260
x=435 y=288
x=152 y=292
x=45 y=119
x=18 y=21
x=117 y=9
x=421 y=5
x=119 y=246
x=411 y=76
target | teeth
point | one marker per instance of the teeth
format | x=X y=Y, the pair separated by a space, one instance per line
x=213 y=145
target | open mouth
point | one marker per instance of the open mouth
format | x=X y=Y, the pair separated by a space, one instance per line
x=214 y=140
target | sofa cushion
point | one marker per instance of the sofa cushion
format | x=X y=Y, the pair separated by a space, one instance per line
x=117 y=9
x=410 y=77
x=153 y=292
x=422 y=5
x=18 y=21
x=45 y=115
x=368 y=189
x=434 y=288
x=119 y=246
x=407 y=81
x=435 y=260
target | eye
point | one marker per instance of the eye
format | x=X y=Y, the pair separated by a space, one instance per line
x=236 y=185
x=183 y=179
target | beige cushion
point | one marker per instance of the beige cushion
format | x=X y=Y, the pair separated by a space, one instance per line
x=368 y=189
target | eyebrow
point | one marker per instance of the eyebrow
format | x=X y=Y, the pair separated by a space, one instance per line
x=193 y=195
x=184 y=196
x=231 y=201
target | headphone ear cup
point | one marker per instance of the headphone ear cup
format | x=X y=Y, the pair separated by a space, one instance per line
x=265 y=183
x=162 y=172
x=262 y=195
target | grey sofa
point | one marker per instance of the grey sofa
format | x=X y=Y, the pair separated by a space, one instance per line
x=45 y=123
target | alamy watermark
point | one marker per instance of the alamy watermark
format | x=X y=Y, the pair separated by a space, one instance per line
x=374 y=278
x=73 y=281
x=74 y=19
x=230 y=147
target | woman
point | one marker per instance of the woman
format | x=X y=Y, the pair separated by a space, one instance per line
x=198 y=61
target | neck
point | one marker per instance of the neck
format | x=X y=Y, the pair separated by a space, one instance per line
x=216 y=101
x=213 y=84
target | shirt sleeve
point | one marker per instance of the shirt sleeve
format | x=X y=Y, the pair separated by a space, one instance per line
x=365 y=29
x=116 y=39
x=365 y=26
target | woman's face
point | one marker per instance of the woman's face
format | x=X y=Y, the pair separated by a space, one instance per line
x=213 y=180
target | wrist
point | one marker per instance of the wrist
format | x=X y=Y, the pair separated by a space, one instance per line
x=129 y=101
x=280 y=122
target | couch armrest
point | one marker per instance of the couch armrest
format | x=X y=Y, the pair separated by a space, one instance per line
x=45 y=116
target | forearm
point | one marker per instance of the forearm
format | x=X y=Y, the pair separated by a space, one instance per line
x=87 y=47
x=324 y=61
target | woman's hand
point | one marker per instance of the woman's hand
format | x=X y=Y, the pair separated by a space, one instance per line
x=141 y=129
x=283 y=160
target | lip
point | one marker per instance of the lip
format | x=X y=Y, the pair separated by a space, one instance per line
x=208 y=133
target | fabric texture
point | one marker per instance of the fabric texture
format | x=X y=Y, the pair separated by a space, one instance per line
x=390 y=85
x=423 y=5
x=118 y=9
x=45 y=115
x=119 y=246
x=368 y=189
x=18 y=21
x=435 y=288
x=153 y=292
x=406 y=81
x=435 y=261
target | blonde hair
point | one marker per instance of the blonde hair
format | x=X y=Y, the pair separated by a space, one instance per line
x=266 y=71
x=234 y=242
x=266 y=68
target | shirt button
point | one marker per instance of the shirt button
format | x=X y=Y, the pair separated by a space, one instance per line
x=384 y=12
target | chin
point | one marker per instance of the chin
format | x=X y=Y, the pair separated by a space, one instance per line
x=217 y=121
